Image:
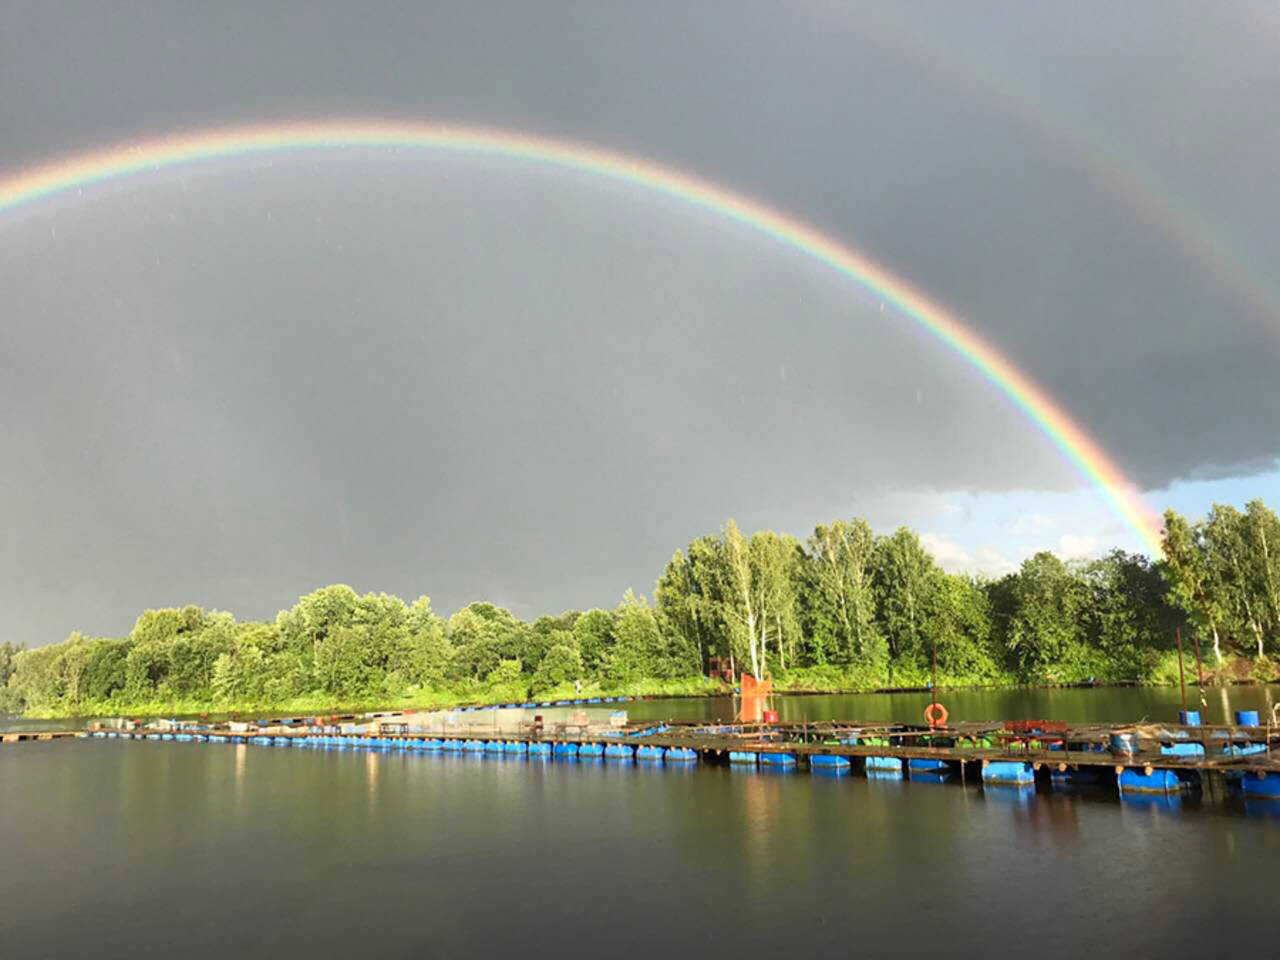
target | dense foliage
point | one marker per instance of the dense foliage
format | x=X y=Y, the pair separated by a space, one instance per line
x=845 y=609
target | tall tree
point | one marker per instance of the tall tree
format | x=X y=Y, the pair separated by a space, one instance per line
x=906 y=581
x=1186 y=568
x=840 y=602
x=1046 y=632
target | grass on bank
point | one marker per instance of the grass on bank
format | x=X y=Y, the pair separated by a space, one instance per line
x=816 y=679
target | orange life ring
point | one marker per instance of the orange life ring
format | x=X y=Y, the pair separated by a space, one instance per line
x=935 y=714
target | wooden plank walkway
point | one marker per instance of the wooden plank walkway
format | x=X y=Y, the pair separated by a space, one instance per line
x=1058 y=746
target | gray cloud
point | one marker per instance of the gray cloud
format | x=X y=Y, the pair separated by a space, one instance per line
x=469 y=378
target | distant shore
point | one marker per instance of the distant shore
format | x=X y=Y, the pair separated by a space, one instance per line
x=697 y=688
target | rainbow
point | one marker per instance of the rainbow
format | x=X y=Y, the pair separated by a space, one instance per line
x=1076 y=446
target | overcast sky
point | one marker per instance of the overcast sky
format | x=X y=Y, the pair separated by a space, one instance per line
x=472 y=378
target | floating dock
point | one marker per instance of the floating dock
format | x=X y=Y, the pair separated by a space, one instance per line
x=1148 y=758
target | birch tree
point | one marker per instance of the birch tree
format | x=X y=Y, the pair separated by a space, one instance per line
x=839 y=572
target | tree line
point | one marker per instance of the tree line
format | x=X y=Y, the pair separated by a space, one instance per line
x=844 y=609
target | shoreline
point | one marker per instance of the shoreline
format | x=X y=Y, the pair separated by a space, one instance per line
x=635 y=693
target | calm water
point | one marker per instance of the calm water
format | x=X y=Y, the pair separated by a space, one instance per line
x=115 y=849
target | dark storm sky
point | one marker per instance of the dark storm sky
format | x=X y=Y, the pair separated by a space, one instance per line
x=474 y=379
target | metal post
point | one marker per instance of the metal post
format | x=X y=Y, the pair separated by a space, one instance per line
x=934 y=687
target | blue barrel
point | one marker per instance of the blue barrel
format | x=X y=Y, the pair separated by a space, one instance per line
x=884 y=764
x=538 y=750
x=278 y=741
x=432 y=744
x=1267 y=785
x=778 y=759
x=619 y=751
x=1189 y=718
x=1010 y=774
x=517 y=747
x=1182 y=749
x=495 y=746
x=680 y=755
x=591 y=750
x=827 y=761
x=451 y=745
x=1246 y=718
x=473 y=746
x=928 y=765
x=742 y=757
x=566 y=750
x=1134 y=780
x=648 y=754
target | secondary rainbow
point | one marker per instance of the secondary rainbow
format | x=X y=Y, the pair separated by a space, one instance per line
x=59 y=176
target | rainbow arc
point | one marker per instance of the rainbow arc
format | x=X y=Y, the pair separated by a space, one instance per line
x=1085 y=455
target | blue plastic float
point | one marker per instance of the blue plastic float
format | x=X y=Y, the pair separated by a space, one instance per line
x=648 y=754
x=619 y=751
x=539 y=750
x=566 y=750
x=1008 y=774
x=681 y=755
x=591 y=750
x=928 y=765
x=1266 y=785
x=742 y=757
x=884 y=765
x=1182 y=749
x=828 y=761
x=771 y=759
x=1133 y=780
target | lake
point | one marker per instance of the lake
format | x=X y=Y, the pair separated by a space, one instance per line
x=129 y=849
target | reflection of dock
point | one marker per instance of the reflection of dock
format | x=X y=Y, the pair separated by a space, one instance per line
x=1145 y=758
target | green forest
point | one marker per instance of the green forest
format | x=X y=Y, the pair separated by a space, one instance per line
x=846 y=609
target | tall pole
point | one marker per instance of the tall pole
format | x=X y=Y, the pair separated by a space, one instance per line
x=934 y=686
x=1182 y=678
x=1199 y=671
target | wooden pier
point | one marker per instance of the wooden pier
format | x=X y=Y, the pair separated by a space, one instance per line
x=1222 y=749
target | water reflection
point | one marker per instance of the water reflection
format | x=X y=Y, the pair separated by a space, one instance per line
x=372 y=765
x=760 y=798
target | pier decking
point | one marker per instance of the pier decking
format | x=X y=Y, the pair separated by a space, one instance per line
x=1138 y=758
